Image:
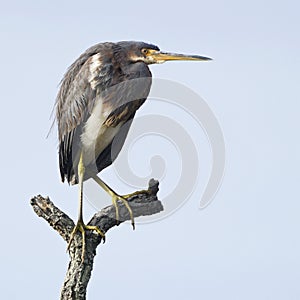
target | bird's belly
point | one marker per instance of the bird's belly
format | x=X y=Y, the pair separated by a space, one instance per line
x=96 y=136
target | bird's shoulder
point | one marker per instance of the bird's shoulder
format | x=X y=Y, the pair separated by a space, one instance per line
x=127 y=93
x=77 y=88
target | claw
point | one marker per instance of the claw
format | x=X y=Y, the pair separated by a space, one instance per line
x=125 y=202
x=80 y=226
x=135 y=194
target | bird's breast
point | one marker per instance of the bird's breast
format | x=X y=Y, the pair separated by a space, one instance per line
x=96 y=136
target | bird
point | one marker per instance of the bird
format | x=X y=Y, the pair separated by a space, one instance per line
x=96 y=103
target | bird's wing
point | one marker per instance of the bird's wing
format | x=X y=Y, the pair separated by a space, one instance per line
x=74 y=104
x=119 y=104
x=84 y=85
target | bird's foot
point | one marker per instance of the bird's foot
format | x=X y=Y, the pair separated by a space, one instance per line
x=115 y=199
x=124 y=200
x=80 y=226
x=135 y=194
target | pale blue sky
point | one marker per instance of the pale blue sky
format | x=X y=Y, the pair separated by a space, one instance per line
x=246 y=244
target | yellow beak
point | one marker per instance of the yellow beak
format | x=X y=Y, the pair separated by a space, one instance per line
x=161 y=57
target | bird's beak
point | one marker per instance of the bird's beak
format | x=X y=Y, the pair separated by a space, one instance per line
x=161 y=57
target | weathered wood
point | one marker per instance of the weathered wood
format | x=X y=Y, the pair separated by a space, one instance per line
x=79 y=272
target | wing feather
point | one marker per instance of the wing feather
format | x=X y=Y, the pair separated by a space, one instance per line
x=74 y=104
x=94 y=77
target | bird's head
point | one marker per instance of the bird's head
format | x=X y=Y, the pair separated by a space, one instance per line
x=151 y=54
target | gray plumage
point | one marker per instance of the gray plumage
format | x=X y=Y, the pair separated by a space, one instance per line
x=106 y=84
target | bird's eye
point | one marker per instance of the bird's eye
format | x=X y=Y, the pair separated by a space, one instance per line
x=145 y=51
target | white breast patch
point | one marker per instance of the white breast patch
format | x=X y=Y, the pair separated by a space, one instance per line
x=96 y=136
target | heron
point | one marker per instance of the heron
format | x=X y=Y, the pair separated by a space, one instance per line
x=95 y=106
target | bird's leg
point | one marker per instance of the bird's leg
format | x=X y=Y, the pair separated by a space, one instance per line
x=115 y=198
x=135 y=194
x=80 y=226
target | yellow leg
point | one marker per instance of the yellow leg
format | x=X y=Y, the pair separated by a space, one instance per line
x=115 y=198
x=135 y=194
x=80 y=226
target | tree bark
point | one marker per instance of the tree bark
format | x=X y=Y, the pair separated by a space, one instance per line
x=79 y=272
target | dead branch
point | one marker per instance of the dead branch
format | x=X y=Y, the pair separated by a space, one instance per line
x=79 y=273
